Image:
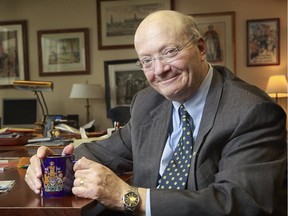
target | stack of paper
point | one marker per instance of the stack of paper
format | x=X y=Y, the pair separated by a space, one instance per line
x=6 y=186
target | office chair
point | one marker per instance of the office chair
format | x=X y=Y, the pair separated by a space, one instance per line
x=120 y=114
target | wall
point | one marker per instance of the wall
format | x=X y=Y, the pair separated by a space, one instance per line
x=55 y=14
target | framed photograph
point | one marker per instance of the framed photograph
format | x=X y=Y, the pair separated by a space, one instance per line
x=263 y=46
x=218 y=31
x=13 y=52
x=63 y=52
x=122 y=80
x=117 y=20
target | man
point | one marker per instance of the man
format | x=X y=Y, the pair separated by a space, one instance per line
x=238 y=159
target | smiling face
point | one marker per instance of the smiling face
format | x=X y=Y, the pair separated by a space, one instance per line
x=179 y=79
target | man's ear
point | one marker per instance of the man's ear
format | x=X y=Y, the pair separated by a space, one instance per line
x=202 y=46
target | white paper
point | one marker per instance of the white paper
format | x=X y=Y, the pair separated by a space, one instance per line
x=6 y=185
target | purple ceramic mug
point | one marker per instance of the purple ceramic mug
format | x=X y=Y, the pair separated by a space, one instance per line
x=57 y=175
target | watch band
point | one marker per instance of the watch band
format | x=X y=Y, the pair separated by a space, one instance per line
x=131 y=200
x=128 y=212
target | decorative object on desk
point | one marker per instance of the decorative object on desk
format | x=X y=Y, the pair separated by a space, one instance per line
x=58 y=175
x=122 y=80
x=277 y=87
x=86 y=91
x=64 y=52
x=263 y=42
x=14 y=52
x=118 y=20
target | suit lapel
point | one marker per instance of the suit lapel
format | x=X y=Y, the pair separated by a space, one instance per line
x=207 y=122
x=158 y=131
x=210 y=108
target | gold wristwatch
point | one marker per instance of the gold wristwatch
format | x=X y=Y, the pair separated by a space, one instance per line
x=131 y=200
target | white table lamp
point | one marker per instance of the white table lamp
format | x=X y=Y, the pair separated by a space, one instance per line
x=277 y=87
x=86 y=91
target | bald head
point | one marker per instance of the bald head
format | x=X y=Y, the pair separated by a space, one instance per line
x=170 y=23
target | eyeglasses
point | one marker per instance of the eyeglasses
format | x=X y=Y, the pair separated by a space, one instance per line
x=167 y=55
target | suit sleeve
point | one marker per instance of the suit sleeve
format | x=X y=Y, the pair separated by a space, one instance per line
x=113 y=152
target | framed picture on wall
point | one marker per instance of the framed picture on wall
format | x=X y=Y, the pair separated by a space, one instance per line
x=117 y=20
x=63 y=52
x=263 y=46
x=13 y=52
x=122 y=80
x=218 y=31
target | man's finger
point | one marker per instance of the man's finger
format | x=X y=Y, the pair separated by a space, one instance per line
x=69 y=149
x=43 y=151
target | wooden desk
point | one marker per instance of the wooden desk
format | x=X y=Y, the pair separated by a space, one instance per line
x=23 y=201
x=23 y=151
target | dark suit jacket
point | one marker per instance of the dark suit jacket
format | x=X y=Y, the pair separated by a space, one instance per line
x=239 y=157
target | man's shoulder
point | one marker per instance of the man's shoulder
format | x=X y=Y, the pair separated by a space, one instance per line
x=148 y=101
x=235 y=86
x=149 y=95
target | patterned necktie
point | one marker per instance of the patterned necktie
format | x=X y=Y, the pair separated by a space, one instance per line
x=176 y=173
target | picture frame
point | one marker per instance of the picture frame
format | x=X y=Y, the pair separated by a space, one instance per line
x=117 y=20
x=122 y=80
x=218 y=31
x=13 y=52
x=263 y=42
x=63 y=52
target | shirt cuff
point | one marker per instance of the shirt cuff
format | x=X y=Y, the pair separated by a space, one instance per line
x=148 y=203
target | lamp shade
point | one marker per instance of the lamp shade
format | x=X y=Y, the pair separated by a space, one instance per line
x=86 y=91
x=277 y=86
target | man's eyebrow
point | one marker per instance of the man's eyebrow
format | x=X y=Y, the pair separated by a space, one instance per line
x=162 y=48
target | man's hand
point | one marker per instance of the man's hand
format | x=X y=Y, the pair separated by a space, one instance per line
x=95 y=181
x=34 y=174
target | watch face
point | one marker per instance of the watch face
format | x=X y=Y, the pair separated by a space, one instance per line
x=131 y=199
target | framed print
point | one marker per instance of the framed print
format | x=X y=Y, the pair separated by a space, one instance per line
x=122 y=80
x=63 y=52
x=263 y=46
x=117 y=20
x=218 y=31
x=13 y=52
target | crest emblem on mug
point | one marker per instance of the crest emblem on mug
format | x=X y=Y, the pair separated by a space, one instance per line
x=53 y=178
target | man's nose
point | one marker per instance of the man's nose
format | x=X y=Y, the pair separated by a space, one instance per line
x=159 y=66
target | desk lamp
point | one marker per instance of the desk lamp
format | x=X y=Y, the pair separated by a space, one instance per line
x=277 y=87
x=37 y=87
x=86 y=91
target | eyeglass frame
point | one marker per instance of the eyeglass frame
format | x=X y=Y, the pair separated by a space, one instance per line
x=161 y=57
